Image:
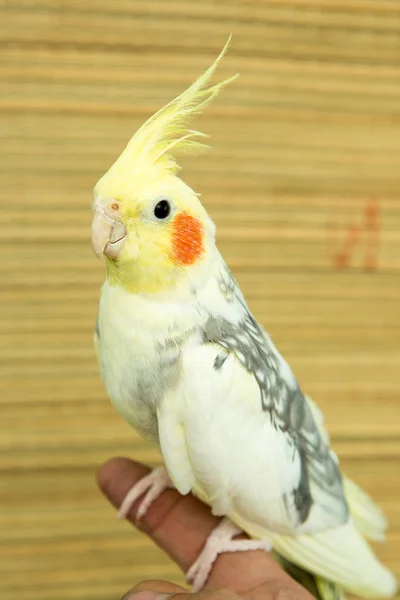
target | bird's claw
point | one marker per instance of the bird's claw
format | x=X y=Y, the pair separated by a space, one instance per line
x=152 y=485
x=220 y=541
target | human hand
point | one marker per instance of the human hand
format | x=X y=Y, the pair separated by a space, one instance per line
x=180 y=525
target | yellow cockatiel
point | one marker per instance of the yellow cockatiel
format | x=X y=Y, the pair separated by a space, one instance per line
x=187 y=365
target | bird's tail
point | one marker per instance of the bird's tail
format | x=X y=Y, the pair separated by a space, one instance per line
x=368 y=518
x=369 y=521
x=340 y=555
x=327 y=590
x=320 y=588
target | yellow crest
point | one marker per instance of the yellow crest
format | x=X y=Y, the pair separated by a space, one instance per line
x=166 y=135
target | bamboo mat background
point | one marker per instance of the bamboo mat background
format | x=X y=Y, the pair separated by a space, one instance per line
x=303 y=183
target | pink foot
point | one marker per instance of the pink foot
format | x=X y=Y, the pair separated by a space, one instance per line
x=152 y=485
x=219 y=541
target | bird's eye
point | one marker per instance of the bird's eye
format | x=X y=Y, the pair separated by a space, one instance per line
x=162 y=209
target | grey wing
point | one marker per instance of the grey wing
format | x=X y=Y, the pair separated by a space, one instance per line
x=320 y=482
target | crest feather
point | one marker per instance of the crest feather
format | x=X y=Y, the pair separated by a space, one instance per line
x=166 y=135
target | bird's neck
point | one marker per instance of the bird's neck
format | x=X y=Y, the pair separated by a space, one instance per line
x=163 y=278
x=158 y=313
x=137 y=277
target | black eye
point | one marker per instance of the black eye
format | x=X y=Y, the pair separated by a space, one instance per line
x=162 y=209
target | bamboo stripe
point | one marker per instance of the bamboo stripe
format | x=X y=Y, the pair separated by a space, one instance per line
x=306 y=148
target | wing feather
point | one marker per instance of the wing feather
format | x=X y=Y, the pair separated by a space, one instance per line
x=282 y=400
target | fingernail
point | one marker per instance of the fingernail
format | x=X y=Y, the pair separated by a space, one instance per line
x=146 y=595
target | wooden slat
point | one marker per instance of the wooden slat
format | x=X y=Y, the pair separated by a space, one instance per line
x=306 y=141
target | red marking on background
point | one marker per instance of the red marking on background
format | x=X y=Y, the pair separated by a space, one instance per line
x=368 y=231
x=187 y=239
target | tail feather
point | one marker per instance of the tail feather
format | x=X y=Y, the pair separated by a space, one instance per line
x=304 y=578
x=318 y=587
x=330 y=562
x=328 y=590
x=340 y=555
x=367 y=516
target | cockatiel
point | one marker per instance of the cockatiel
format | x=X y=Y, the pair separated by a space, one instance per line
x=187 y=365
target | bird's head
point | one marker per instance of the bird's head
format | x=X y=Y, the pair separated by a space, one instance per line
x=148 y=224
x=151 y=235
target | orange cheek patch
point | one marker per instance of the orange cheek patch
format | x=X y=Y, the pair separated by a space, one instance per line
x=187 y=239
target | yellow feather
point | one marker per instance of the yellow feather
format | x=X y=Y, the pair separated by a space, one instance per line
x=164 y=136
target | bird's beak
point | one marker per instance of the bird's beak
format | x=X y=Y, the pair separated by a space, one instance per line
x=108 y=236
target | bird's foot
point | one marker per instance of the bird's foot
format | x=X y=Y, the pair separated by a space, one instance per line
x=152 y=485
x=220 y=540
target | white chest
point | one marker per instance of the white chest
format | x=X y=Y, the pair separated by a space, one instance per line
x=127 y=353
x=139 y=350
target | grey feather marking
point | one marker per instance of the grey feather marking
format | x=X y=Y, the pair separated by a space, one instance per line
x=149 y=384
x=301 y=496
x=287 y=408
x=219 y=361
x=227 y=284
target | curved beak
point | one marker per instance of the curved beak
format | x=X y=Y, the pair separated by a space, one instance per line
x=108 y=236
